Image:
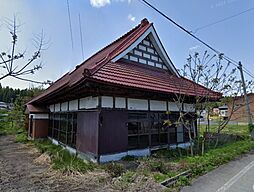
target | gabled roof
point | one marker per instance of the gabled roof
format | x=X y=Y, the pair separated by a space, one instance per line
x=107 y=66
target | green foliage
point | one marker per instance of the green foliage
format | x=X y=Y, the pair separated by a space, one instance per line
x=182 y=181
x=128 y=177
x=170 y=153
x=61 y=159
x=114 y=169
x=251 y=128
x=229 y=129
x=21 y=137
x=159 y=177
x=215 y=157
x=10 y=95
x=66 y=162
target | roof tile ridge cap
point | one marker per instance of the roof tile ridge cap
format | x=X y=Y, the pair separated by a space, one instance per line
x=144 y=24
x=89 y=72
x=118 y=39
x=137 y=33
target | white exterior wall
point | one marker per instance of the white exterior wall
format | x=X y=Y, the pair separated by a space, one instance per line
x=158 y=105
x=188 y=107
x=173 y=106
x=52 y=108
x=107 y=101
x=57 y=107
x=64 y=106
x=137 y=104
x=120 y=102
x=89 y=103
x=39 y=116
x=73 y=105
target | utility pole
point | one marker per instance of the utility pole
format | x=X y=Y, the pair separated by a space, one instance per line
x=245 y=96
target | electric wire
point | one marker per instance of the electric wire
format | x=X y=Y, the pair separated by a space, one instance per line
x=81 y=38
x=69 y=16
x=235 y=63
x=221 y=20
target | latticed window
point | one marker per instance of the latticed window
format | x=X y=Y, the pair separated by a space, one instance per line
x=63 y=127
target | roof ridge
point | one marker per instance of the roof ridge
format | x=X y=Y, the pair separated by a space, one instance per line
x=118 y=39
x=107 y=58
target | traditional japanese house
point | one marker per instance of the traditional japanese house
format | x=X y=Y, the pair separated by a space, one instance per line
x=116 y=102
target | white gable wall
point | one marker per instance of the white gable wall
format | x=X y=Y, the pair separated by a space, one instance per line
x=156 y=44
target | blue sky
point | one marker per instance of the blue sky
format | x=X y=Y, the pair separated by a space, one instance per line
x=105 y=20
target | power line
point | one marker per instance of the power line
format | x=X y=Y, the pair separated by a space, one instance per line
x=221 y=20
x=69 y=16
x=235 y=63
x=81 y=38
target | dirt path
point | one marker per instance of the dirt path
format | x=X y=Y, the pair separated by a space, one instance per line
x=21 y=169
x=19 y=172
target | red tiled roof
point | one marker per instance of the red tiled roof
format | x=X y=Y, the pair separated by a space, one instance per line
x=99 y=67
x=150 y=78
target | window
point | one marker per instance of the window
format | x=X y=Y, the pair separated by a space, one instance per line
x=150 y=129
x=64 y=127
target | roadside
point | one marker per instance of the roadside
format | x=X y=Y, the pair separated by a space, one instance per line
x=234 y=177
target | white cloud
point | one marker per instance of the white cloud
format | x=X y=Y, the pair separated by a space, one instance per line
x=131 y=18
x=194 y=48
x=102 y=3
x=99 y=3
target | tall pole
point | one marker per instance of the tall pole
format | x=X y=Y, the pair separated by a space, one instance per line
x=245 y=96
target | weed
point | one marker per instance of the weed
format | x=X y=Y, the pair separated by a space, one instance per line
x=114 y=169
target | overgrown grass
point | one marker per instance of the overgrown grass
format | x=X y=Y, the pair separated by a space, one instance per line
x=229 y=129
x=161 y=165
x=61 y=159
x=199 y=165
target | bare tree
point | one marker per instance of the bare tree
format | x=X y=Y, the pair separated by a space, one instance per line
x=10 y=60
x=215 y=74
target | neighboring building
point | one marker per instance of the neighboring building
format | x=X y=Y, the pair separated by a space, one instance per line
x=216 y=111
x=239 y=114
x=223 y=111
x=6 y=106
x=114 y=103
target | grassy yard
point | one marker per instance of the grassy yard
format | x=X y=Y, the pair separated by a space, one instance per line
x=229 y=129
x=162 y=165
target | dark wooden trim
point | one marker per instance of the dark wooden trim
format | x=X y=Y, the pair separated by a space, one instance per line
x=126 y=103
x=114 y=102
x=99 y=102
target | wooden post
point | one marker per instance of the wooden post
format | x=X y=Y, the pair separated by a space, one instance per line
x=245 y=96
